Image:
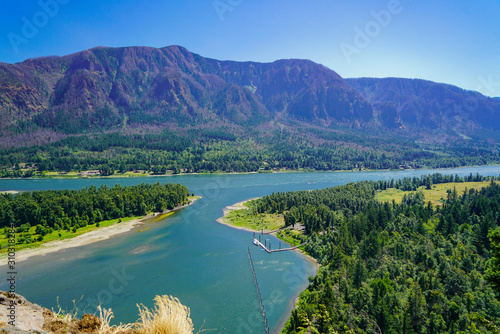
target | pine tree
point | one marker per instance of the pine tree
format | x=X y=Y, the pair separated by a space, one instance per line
x=492 y=272
x=415 y=315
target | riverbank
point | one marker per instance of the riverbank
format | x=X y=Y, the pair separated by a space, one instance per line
x=224 y=220
x=75 y=175
x=92 y=236
x=292 y=304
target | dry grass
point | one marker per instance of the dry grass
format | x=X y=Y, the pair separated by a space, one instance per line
x=64 y=316
x=105 y=316
x=168 y=317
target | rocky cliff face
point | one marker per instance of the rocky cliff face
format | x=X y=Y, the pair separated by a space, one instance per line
x=19 y=316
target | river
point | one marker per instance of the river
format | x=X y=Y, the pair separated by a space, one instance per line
x=188 y=255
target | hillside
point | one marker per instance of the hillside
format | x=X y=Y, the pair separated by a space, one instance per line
x=167 y=109
x=425 y=104
x=108 y=88
x=105 y=88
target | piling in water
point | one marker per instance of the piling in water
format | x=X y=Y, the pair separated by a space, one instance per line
x=258 y=290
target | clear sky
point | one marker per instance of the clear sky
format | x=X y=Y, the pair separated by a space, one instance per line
x=450 y=41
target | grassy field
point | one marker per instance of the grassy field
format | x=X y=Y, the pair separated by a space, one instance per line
x=245 y=218
x=437 y=195
x=249 y=219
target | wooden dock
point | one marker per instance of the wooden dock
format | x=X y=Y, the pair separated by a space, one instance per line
x=256 y=242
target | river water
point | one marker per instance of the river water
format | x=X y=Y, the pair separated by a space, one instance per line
x=188 y=255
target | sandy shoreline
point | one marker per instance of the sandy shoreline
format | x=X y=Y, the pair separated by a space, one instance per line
x=95 y=235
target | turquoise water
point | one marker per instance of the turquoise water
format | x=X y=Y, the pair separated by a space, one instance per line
x=188 y=255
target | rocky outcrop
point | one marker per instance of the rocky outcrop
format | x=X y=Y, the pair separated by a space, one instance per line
x=26 y=317
x=19 y=316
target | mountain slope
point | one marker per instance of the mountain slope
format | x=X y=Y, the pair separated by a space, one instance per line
x=102 y=88
x=426 y=104
x=111 y=89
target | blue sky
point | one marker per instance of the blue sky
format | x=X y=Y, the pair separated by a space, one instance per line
x=450 y=41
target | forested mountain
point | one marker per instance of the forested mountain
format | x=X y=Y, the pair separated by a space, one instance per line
x=412 y=267
x=105 y=88
x=109 y=88
x=170 y=109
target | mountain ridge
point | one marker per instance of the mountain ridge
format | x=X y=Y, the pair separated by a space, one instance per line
x=443 y=103
x=105 y=88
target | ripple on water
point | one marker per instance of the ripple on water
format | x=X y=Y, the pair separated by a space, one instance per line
x=139 y=250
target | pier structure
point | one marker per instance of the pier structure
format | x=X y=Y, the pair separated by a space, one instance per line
x=265 y=247
x=258 y=291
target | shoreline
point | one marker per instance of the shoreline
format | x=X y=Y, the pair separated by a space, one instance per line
x=292 y=305
x=241 y=205
x=293 y=301
x=95 y=235
x=118 y=176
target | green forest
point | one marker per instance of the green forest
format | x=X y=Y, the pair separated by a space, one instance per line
x=412 y=267
x=220 y=150
x=38 y=213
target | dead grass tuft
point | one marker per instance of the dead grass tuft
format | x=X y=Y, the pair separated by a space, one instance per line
x=168 y=317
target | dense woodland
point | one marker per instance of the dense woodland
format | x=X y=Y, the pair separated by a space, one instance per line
x=222 y=151
x=52 y=210
x=412 y=267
